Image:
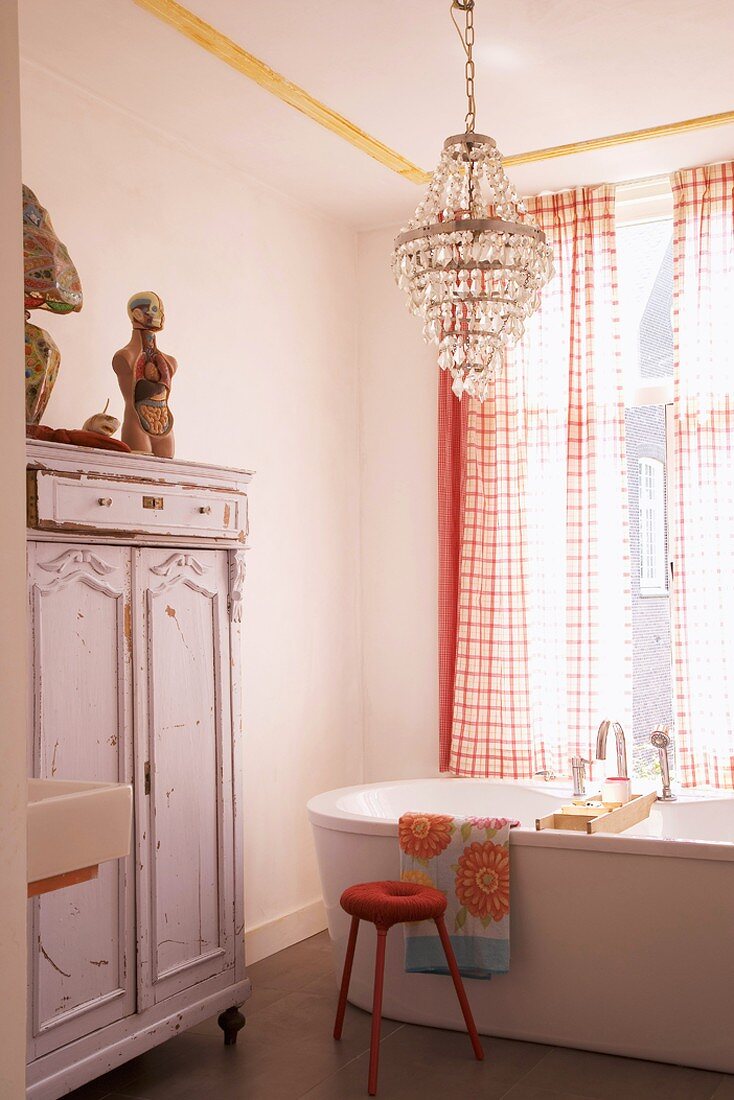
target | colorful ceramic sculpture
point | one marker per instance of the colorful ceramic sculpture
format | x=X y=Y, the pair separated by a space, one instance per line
x=42 y=358
x=50 y=282
x=145 y=375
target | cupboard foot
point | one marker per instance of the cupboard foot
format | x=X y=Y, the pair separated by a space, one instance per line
x=231 y=1022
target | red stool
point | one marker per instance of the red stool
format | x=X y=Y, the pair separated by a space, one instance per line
x=386 y=904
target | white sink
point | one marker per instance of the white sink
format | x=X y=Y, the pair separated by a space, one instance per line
x=74 y=825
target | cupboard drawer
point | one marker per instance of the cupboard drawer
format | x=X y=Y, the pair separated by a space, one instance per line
x=62 y=502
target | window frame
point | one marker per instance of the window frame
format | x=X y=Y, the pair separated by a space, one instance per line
x=643 y=201
x=638 y=202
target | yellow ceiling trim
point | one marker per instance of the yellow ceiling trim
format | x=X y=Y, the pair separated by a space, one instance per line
x=212 y=40
x=216 y=43
x=668 y=130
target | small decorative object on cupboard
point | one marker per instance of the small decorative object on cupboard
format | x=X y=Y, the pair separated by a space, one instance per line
x=76 y=437
x=145 y=375
x=471 y=260
x=103 y=422
x=50 y=282
x=42 y=359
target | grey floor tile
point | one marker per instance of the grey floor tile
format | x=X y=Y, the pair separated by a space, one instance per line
x=425 y=1063
x=283 y=1051
x=605 y=1077
x=295 y=967
x=123 y=1096
x=260 y=998
x=521 y=1091
x=325 y=986
x=286 y=1051
x=116 y=1081
x=95 y=1090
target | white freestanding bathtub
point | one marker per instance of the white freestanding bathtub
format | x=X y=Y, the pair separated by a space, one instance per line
x=619 y=943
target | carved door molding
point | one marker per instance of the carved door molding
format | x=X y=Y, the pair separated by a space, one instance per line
x=183 y=741
x=81 y=943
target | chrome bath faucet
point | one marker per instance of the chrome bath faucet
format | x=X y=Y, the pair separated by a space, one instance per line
x=601 y=745
x=578 y=770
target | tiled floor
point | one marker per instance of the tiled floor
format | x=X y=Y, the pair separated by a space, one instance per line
x=286 y=1051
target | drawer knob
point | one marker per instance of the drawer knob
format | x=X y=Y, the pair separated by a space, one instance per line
x=206 y=509
x=104 y=502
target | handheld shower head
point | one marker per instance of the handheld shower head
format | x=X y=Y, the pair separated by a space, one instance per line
x=660 y=739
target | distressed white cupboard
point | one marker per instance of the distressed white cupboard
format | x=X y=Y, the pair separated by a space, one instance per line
x=135 y=569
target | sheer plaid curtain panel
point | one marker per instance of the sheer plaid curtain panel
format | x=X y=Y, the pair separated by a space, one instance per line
x=534 y=594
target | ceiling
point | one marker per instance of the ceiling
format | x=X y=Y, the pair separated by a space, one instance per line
x=548 y=72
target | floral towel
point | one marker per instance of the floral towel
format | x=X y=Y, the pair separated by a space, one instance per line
x=467 y=859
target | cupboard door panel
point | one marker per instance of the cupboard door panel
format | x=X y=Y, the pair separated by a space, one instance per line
x=181 y=632
x=82 y=939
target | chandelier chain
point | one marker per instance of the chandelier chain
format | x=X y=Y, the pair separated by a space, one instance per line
x=467 y=41
x=472 y=262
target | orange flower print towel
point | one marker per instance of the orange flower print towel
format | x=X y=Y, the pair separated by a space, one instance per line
x=468 y=859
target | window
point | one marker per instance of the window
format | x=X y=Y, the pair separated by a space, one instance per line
x=644 y=244
x=653 y=570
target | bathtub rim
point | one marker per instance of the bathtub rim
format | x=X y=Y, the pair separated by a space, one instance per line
x=323 y=812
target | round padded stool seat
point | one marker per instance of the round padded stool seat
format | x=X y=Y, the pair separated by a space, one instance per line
x=388 y=903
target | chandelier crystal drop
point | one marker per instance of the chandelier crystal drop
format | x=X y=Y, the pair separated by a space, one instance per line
x=471 y=260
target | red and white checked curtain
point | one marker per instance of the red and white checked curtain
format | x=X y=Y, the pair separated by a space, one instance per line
x=535 y=637
x=703 y=508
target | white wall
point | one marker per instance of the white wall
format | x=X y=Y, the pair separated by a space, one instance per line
x=398 y=398
x=273 y=313
x=260 y=304
x=12 y=580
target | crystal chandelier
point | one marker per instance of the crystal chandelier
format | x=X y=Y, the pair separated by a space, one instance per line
x=471 y=260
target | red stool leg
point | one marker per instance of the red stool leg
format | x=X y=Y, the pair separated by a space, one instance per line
x=348 y=960
x=377 y=1010
x=459 y=987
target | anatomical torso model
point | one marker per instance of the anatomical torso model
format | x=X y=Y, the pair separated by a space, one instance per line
x=145 y=375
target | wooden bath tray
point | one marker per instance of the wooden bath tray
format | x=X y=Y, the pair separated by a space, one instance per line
x=612 y=817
